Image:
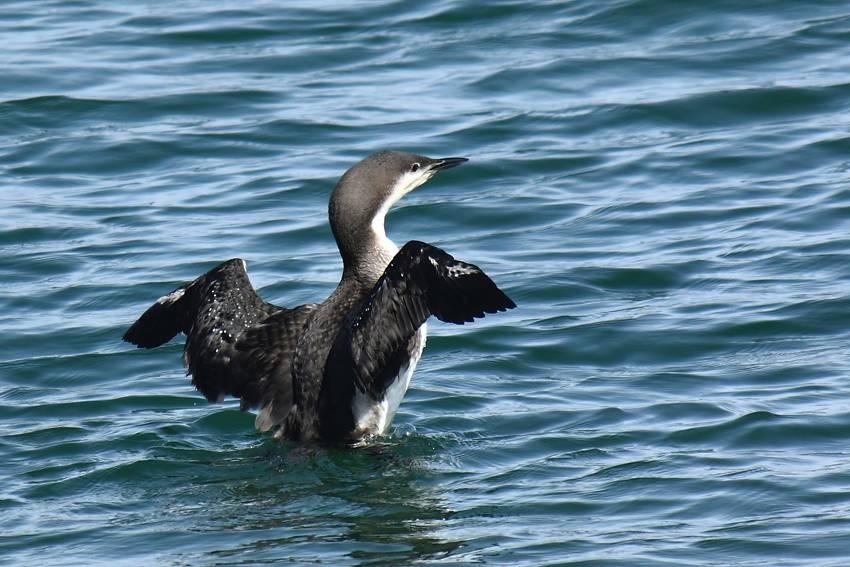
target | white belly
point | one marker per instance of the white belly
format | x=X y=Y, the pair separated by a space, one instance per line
x=373 y=417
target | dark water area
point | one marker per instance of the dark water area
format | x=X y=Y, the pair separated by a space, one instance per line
x=662 y=187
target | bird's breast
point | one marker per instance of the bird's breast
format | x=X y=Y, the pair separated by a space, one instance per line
x=373 y=417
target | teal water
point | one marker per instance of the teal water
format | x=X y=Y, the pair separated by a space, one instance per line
x=662 y=187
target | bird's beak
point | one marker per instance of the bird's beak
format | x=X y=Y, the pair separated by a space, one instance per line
x=447 y=163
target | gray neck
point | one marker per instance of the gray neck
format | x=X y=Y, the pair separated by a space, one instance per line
x=365 y=255
x=357 y=223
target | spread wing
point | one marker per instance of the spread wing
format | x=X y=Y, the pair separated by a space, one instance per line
x=236 y=343
x=422 y=280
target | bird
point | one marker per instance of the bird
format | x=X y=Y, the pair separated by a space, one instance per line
x=336 y=371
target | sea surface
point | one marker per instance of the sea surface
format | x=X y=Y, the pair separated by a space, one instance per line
x=663 y=187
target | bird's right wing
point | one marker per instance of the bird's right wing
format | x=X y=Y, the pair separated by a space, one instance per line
x=422 y=280
x=236 y=343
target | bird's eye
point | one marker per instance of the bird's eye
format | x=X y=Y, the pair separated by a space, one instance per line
x=414 y=168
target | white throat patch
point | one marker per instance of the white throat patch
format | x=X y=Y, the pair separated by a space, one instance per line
x=407 y=182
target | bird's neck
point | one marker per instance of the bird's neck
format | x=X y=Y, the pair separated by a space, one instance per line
x=365 y=252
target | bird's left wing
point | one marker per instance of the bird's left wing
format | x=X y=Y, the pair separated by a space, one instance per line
x=422 y=280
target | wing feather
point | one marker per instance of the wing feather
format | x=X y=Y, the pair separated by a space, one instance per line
x=236 y=343
x=422 y=280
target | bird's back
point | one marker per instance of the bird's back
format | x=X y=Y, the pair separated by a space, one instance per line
x=311 y=354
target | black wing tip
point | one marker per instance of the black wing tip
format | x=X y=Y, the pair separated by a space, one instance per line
x=133 y=337
x=485 y=310
x=148 y=333
x=505 y=303
x=160 y=322
x=484 y=295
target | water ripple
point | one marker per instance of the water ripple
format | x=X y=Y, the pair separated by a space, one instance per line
x=660 y=186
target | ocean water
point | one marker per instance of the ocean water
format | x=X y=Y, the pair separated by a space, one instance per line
x=662 y=187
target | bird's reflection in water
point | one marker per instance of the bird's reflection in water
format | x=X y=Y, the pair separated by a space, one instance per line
x=376 y=503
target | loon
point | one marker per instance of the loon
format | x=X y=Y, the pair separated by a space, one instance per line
x=336 y=371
